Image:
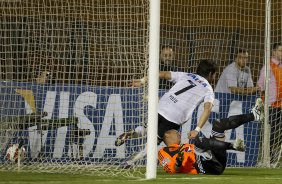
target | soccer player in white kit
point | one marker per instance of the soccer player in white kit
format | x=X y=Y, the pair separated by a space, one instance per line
x=177 y=105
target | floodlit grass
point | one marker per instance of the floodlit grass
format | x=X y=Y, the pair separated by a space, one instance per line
x=230 y=176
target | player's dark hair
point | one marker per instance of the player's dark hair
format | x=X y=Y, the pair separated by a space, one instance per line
x=205 y=68
x=276 y=45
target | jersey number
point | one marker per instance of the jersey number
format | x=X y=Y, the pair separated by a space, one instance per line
x=186 y=88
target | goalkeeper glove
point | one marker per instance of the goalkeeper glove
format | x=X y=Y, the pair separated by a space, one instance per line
x=180 y=156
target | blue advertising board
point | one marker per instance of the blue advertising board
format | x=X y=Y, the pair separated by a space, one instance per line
x=107 y=112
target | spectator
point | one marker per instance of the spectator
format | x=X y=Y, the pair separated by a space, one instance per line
x=275 y=98
x=236 y=77
x=167 y=63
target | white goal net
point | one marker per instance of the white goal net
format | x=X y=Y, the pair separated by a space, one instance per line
x=66 y=66
x=65 y=71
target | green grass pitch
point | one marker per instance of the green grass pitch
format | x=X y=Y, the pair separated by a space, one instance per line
x=230 y=176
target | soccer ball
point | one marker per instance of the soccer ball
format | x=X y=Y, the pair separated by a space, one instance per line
x=13 y=152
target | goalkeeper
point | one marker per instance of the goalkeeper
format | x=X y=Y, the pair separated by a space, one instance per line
x=207 y=155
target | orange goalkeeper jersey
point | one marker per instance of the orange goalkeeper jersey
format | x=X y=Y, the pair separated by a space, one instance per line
x=167 y=158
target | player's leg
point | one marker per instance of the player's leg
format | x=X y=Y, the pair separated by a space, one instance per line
x=218 y=158
x=213 y=166
x=213 y=144
x=211 y=155
x=214 y=159
x=232 y=122
x=219 y=126
x=163 y=126
x=132 y=133
x=216 y=148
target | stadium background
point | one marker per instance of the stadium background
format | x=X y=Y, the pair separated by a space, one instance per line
x=195 y=29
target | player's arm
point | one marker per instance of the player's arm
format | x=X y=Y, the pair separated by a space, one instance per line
x=139 y=82
x=179 y=158
x=203 y=119
x=165 y=75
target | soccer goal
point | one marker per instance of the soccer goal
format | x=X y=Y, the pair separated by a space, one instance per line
x=65 y=72
x=66 y=68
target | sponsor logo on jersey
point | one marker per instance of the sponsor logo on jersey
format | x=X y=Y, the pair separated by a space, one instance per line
x=197 y=79
x=165 y=161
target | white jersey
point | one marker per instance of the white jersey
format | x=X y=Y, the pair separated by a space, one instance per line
x=189 y=90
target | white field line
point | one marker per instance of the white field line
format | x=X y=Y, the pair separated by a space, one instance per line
x=214 y=178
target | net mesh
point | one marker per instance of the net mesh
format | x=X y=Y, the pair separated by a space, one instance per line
x=65 y=68
x=65 y=71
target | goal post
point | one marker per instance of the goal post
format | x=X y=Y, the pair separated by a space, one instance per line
x=153 y=83
x=266 y=137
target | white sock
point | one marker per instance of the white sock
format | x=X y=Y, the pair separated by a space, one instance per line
x=140 y=131
x=139 y=155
